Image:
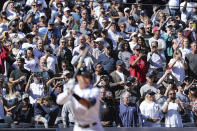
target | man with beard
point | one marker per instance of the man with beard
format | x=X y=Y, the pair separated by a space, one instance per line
x=172 y=110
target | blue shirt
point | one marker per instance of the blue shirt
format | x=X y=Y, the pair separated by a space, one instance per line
x=130 y=115
x=108 y=63
x=36 y=16
x=131 y=28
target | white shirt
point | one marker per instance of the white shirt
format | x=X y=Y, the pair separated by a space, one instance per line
x=151 y=110
x=114 y=37
x=161 y=43
x=3 y=27
x=185 y=51
x=35 y=91
x=38 y=53
x=121 y=75
x=174 y=4
x=51 y=62
x=27 y=45
x=30 y=65
x=83 y=116
x=132 y=45
x=19 y=34
x=156 y=60
x=88 y=62
x=11 y=14
x=145 y=88
x=76 y=49
x=172 y=117
x=178 y=70
x=44 y=5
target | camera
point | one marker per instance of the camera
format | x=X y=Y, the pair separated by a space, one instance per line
x=142 y=51
x=38 y=74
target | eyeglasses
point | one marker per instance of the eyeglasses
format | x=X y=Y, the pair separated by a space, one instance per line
x=122 y=26
x=34 y=5
x=148 y=27
x=154 y=46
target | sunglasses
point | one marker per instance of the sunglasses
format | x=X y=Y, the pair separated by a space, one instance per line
x=172 y=94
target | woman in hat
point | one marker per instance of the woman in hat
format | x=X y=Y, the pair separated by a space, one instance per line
x=151 y=111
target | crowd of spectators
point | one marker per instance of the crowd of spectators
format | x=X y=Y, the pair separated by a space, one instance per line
x=142 y=57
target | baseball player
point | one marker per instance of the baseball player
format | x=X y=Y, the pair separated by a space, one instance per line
x=85 y=101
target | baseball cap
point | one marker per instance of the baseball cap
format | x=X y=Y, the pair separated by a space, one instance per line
x=21 y=59
x=160 y=86
x=96 y=64
x=156 y=28
x=25 y=95
x=29 y=35
x=3 y=12
x=107 y=45
x=39 y=2
x=150 y=73
x=50 y=22
x=43 y=15
x=104 y=77
x=66 y=72
x=130 y=79
x=66 y=9
x=169 y=25
x=136 y=47
x=142 y=12
x=131 y=17
x=99 y=39
x=95 y=31
x=150 y=92
x=15 y=40
x=119 y=62
x=47 y=48
x=14 y=23
x=126 y=9
x=84 y=72
x=133 y=34
x=194 y=5
x=140 y=26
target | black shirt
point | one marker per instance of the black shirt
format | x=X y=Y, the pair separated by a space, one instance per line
x=16 y=74
x=24 y=113
x=107 y=111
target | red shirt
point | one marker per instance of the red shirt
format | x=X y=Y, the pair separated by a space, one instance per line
x=4 y=52
x=140 y=69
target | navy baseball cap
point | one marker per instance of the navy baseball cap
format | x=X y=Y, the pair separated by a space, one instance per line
x=96 y=64
x=21 y=59
x=136 y=47
x=119 y=62
x=150 y=92
x=150 y=74
x=107 y=45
